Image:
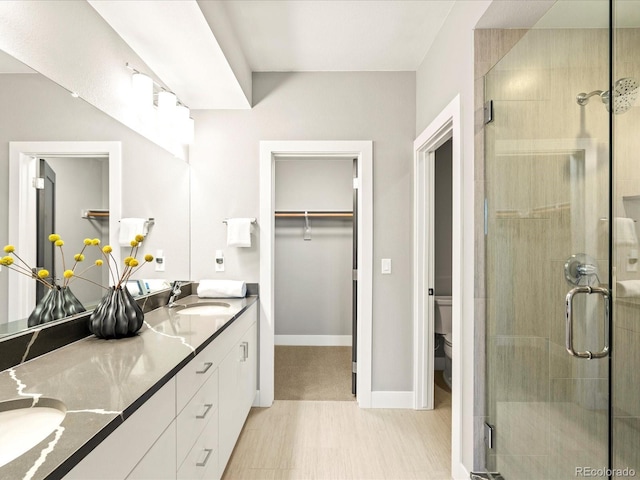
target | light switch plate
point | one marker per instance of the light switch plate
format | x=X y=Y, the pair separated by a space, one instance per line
x=386 y=266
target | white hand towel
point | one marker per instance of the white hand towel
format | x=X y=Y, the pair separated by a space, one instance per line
x=628 y=288
x=239 y=232
x=626 y=232
x=222 y=289
x=129 y=228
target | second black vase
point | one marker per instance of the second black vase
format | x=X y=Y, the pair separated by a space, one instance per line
x=58 y=302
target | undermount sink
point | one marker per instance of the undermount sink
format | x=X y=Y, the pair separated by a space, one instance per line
x=205 y=308
x=24 y=423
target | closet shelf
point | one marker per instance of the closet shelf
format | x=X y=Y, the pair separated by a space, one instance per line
x=95 y=213
x=316 y=214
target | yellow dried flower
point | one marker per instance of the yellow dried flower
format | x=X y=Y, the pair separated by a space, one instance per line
x=6 y=261
x=107 y=249
x=43 y=273
x=95 y=241
x=139 y=238
x=54 y=237
x=127 y=260
x=59 y=243
x=133 y=262
x=68 y=273
x=148 y=257
x=87 y=241
x=9 y=248
x=99 y=262
x=134 y=243
x=78 y=257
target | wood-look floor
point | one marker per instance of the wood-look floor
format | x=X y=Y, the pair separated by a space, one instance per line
x=338 y=440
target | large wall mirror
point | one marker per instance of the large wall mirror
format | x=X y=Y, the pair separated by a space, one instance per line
x=99 y=165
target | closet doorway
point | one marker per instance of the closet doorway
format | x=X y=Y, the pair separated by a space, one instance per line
x=293 y=230
x=315 y=288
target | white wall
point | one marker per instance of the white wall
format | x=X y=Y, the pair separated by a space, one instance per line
x=446 y=71
x=316 y=106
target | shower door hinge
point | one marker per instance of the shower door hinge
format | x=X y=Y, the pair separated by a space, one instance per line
x=354 y=275
x=354 y=367
x=488 y=112
x=37 y=183
x=356 y=183
x=488 y=435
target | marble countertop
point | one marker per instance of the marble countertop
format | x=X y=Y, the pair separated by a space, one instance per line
x=102 y=382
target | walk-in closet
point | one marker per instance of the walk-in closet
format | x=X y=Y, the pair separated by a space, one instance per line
x=314 y=286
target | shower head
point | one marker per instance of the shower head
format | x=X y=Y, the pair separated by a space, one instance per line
x=625 y=92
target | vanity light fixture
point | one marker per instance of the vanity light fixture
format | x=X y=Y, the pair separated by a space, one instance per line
x=173 y=115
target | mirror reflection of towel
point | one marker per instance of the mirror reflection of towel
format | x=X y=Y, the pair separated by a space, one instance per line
x=239 y=232
x=129 y=228
x=625 y=232
x=628 y=288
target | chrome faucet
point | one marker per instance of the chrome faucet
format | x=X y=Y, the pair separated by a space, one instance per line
x=173 y=296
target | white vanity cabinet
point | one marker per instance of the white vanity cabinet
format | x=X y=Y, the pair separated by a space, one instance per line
x=188 y=429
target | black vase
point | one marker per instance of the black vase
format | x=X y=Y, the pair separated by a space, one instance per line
x=58 y=302
x=117 y=315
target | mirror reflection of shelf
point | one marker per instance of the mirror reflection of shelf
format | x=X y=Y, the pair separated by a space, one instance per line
x=95 y=213
x=316 y=214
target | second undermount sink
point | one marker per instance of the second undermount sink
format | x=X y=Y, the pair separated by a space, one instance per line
x=24 y=423
x=205 y=308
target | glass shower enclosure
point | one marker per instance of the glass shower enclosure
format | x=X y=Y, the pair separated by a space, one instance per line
x=562 y=209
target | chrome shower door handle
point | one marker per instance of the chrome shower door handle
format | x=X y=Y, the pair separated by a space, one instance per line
x=569 y=321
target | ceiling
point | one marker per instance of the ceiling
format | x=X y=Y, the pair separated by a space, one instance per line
x=340 y=35
x=205 y=50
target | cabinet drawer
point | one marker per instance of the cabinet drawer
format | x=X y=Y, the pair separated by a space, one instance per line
x=196 y=372
x=202 y=459
x=197 y=416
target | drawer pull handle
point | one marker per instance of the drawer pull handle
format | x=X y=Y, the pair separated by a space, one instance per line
x=206 y=458
x=207 y=408
x=244 y=351
x=207 y=366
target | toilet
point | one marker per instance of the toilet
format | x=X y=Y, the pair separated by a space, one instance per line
x=443 y=327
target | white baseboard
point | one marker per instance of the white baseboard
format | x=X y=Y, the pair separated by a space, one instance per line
x=314 y=340
x=392 y=400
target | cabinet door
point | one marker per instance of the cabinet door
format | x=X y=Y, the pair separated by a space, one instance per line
x=237 y=389
x=160 y=462
x=120 y=452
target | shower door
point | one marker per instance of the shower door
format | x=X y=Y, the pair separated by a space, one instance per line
x=547 y=211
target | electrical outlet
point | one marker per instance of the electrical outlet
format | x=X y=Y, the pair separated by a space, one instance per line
x=219 y=261
x=160 y=264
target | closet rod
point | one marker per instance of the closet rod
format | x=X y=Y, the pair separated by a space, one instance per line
x=334 y=214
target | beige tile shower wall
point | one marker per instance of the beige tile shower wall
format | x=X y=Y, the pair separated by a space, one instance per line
x=537 y=219
x=626 y=332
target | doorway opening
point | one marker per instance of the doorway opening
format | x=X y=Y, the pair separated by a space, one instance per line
x=24 y=159
x=445 y=127
x=270 y=154
x=315 y=255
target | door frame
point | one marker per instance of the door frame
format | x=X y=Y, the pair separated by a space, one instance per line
x=447 y=125
x=22 y=217
x=269 y=152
